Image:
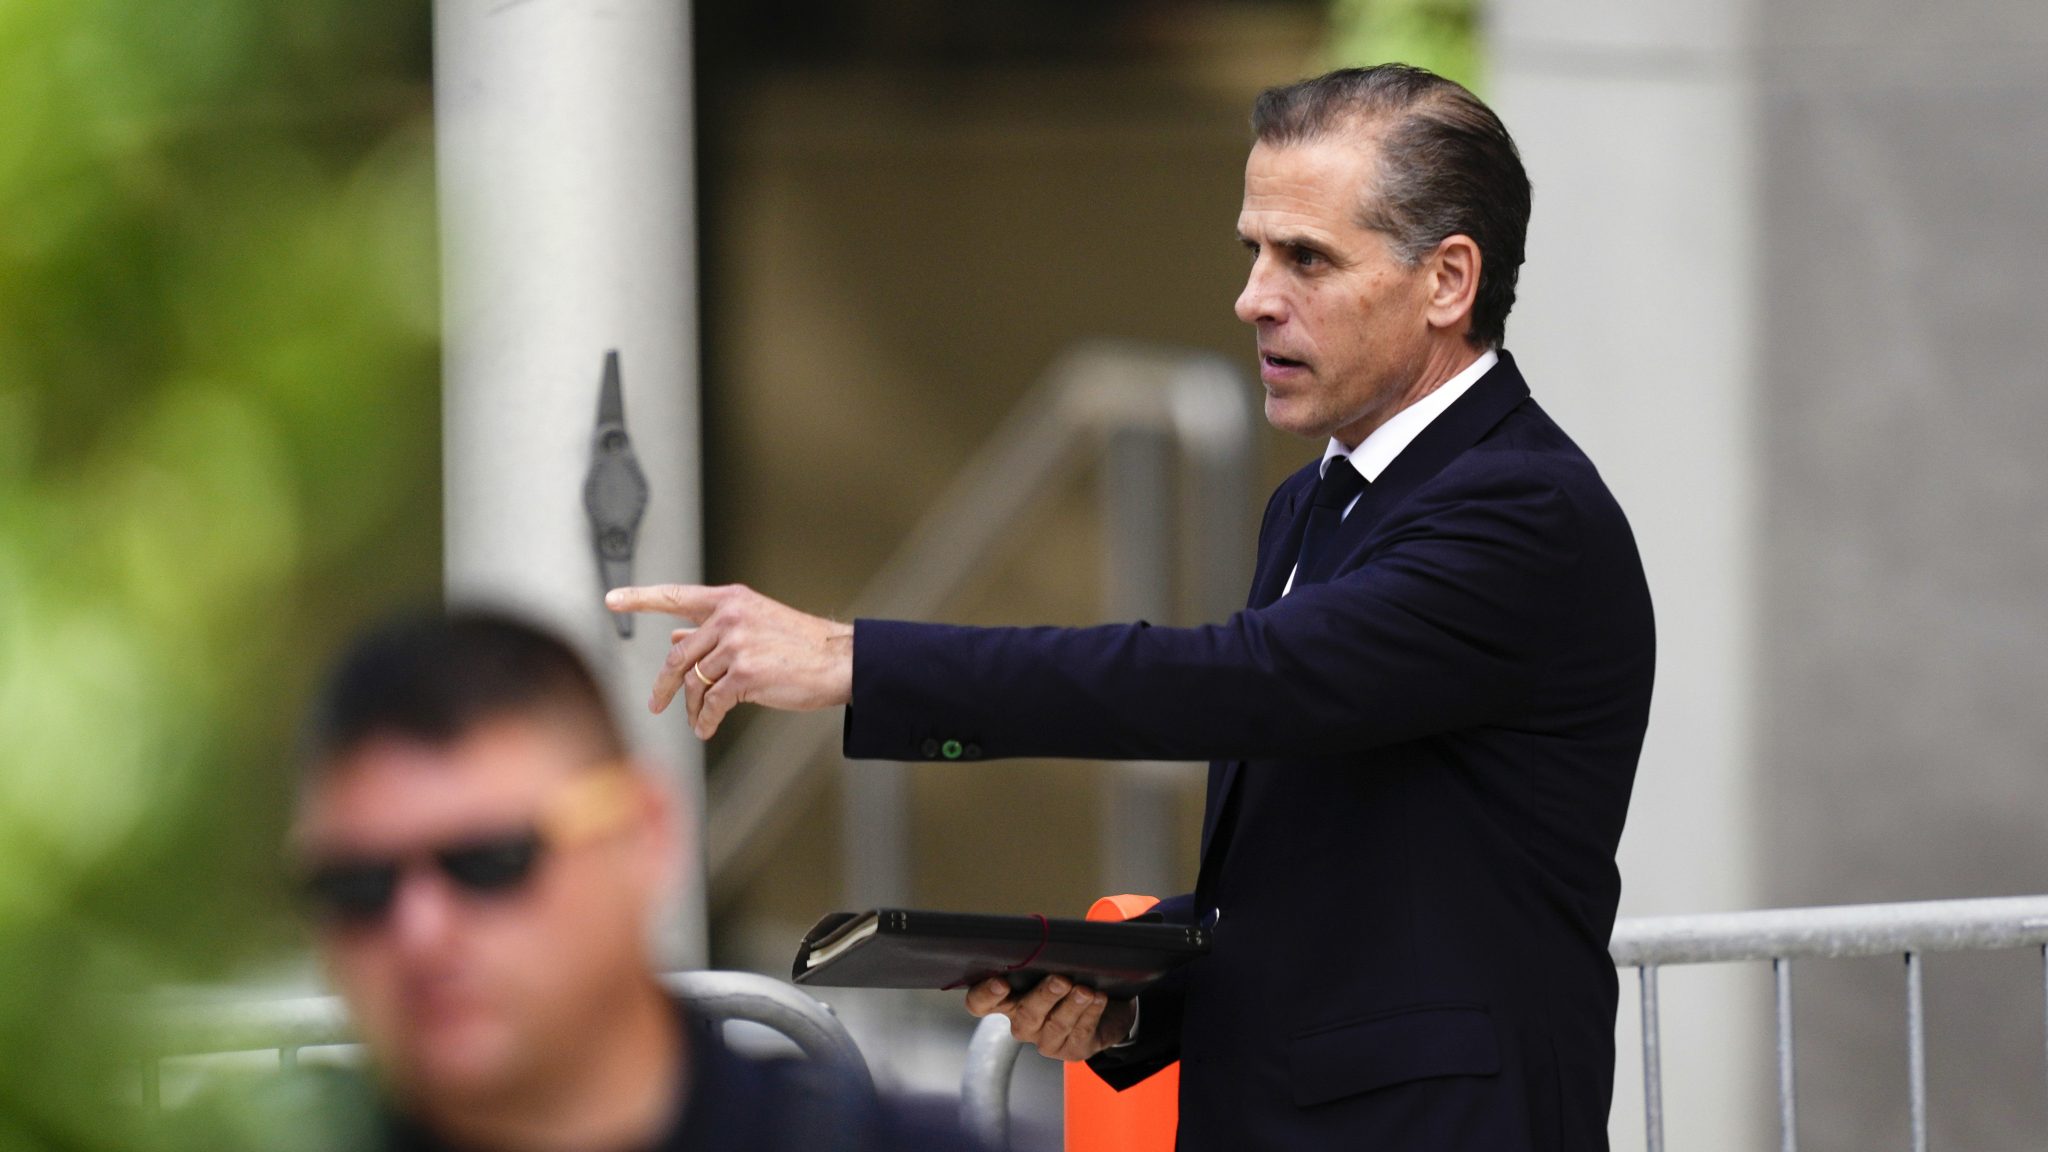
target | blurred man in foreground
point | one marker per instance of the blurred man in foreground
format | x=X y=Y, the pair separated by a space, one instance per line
x=482 y=861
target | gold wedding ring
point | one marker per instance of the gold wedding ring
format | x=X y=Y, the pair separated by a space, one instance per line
x=699 y=670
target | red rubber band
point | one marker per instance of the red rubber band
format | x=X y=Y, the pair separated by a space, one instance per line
x=1044 y=936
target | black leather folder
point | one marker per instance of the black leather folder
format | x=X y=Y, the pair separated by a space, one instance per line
x=906 y=948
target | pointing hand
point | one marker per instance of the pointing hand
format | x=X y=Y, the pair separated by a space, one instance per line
x=742 y=648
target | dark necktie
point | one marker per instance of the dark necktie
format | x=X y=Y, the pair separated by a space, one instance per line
x=1340 y=485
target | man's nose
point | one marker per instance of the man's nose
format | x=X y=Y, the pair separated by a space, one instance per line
x=1261 y=302
x=422 y=912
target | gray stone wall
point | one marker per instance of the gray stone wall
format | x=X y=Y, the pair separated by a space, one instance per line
x=1786 y=274
x=1902 y=402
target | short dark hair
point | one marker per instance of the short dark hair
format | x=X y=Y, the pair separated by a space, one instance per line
x=1447 y=166
x=434 y=677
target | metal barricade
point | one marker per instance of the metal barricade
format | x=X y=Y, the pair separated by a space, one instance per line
x=288 y=1025
x=985 y=1083
x=1647 y=944
x=1783 y=935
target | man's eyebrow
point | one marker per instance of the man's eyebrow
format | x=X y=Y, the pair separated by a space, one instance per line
x=1285 y=240
x=1302 y=240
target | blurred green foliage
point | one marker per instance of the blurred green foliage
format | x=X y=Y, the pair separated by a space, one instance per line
x=1440 y=35
x=218 y=452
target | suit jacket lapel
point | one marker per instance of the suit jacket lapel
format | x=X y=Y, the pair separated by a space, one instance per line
x=1274 y=565
x=1278 y=559
x=1457 y=428
x=1460 y=426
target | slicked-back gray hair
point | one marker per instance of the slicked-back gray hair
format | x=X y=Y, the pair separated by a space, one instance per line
x=1446 y=167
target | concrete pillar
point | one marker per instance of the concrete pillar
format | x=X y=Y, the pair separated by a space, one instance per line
x=568 y=230
x=1637 y=329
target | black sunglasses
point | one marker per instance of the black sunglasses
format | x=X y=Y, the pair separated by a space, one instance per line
x=358 y=890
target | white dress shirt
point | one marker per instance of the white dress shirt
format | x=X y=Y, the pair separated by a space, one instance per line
x=1385 y=442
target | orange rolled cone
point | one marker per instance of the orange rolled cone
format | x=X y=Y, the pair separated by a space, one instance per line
x=1143 y=1117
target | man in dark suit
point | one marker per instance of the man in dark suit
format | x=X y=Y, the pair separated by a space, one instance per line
x=1423 y=728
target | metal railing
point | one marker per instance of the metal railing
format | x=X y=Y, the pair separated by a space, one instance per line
x=213 y=1027
x=985 y=1082
x=1648 y=944
x=1136 y=408
x=1783 y=935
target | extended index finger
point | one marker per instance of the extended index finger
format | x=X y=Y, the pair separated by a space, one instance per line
x=690 y=601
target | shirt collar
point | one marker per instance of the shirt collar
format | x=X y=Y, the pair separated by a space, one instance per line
x=1386 y=441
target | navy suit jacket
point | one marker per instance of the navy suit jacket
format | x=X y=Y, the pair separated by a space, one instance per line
x=1421 y=762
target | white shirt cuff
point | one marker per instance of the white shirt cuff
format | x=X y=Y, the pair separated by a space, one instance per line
x=1131 y=1037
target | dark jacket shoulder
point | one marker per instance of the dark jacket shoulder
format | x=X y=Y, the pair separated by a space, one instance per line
x=736 y=1103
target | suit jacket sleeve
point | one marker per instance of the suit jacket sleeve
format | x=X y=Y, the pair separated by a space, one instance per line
x=1448 y=623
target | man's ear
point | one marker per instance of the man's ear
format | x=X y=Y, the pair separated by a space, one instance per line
x=1453 y=283
x=660 y=832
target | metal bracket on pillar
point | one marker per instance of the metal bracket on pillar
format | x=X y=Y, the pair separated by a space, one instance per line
x=615 y=492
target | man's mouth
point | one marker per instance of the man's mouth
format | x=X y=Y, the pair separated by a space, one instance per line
x=1272 y=361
